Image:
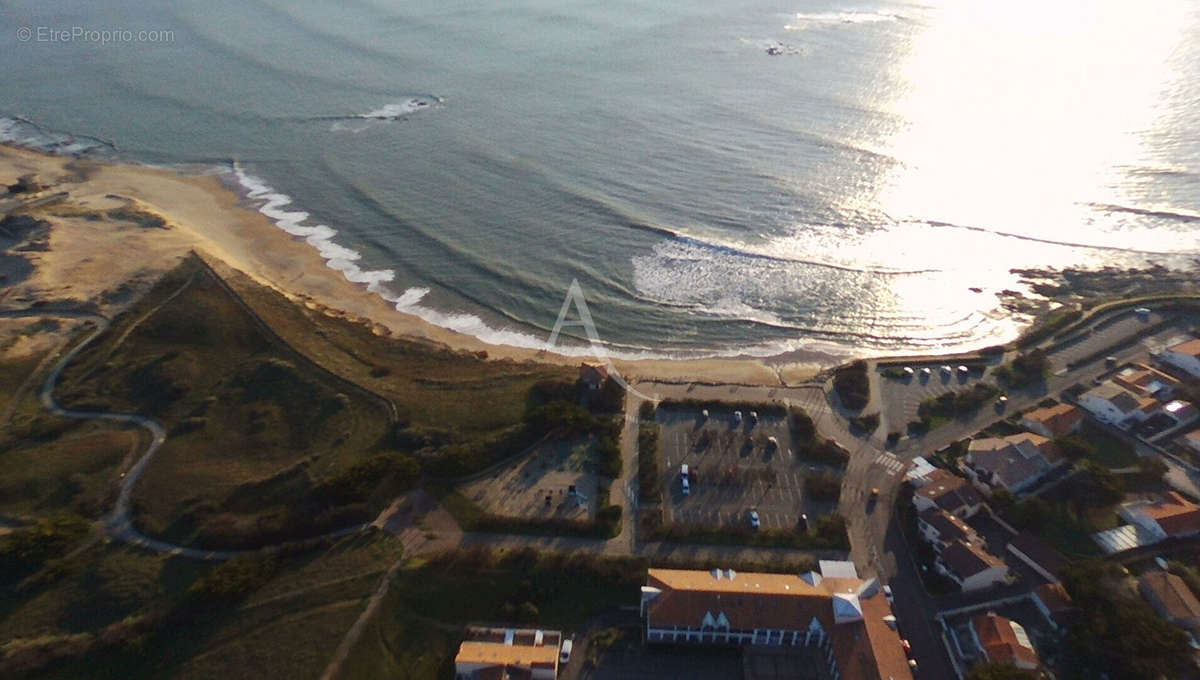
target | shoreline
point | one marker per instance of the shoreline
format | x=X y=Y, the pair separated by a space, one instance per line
x=204 y=213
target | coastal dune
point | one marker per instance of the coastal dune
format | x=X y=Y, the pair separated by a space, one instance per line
x=114 y=228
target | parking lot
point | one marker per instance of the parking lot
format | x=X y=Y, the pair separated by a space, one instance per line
x=902 y=396
x=732 y=469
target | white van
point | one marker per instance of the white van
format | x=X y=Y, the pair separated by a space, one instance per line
x=565 y=655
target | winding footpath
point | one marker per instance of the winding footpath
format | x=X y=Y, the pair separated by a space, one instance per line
x=118 y=523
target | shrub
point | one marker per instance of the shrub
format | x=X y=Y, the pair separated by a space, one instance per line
x=867 y=423
x=233 y=580
x=28 y=549
x=852 y=385
x=649 y=469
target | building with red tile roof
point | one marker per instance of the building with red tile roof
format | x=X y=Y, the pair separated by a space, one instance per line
x=1171 y=598
x=508 y=654
x=1002 y=640
x=848 y=619
x=1055 y=421
x=1169 y=517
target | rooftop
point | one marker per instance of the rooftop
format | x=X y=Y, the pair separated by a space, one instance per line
x=854 y=612
x=1039 y=551
x=1173 y=595
x=1175 y=514
x=1058 y=419
x=1114 y=394
x=949 y=491
x=967 y=560
x=948 y=527
x=1004 y=640
x=1190 y=348
x=1015 y=458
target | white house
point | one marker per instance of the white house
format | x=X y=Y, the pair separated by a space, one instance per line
x=1185 y=356
x=970 y=566
x=940 y=528
x=1110 y=403
x=947 y=491
x=1017 y=462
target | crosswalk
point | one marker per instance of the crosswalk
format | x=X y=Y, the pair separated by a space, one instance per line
x=890 y=462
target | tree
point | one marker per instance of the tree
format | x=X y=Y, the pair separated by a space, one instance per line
x=999 y=671
x=1095 y=486
x=1118 y=635
x=1151 y=469
x=1075 y=447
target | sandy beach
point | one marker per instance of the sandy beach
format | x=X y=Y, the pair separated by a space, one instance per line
x=90 y=258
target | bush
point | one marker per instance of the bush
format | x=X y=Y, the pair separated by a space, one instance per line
x=26 y=550
x=234 y=580
x=867 y=423
x=956 y=404
x=1075 y=447
x=649 y=470
x=356 y=483
x=1025 y=370
x=804 y=430
x=852 y=385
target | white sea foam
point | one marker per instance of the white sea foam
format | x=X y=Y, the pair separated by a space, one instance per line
x=21 y=132
x=803 y=20
x=397 y=109
x=320 y=236
x=345 y=260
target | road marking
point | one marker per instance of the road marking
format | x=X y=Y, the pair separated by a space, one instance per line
x=890 y=462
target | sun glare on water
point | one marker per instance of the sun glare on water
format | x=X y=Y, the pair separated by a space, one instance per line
x=1019 y=117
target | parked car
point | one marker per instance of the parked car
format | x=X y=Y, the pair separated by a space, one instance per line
x=754 y=417
x=737 y=417
x=927 y=371
x=565 y=655
x=686 y=486
x=887 y=592
x=754 y=523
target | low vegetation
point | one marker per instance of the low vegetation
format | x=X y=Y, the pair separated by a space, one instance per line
x=953 y=405
x=829 y=533
x=649 y=466
x=808 y=445
x=1025 y=370
x=865 y=423
x=852 y=385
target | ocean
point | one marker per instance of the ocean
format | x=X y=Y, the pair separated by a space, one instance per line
x=720 y=178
